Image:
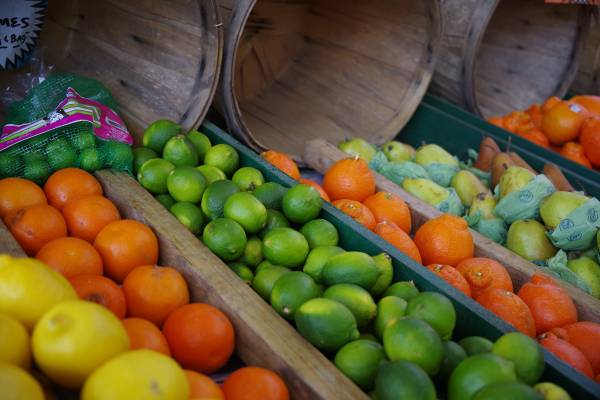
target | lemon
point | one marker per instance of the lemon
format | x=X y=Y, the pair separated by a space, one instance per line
x=14 y=342
x=137 y=375
x=29 y=288
x=16 y=384
x=74 y=338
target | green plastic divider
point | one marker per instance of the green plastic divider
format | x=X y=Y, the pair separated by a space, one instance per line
x=472 y=318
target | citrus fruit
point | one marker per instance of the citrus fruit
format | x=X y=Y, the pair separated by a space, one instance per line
x=386 y=274
x=320 y=189
x=248 y=179
x=166 y=200
x=203 y=387
x=567 y=352
x=189 y=215
x=60 y=154
x=16 y=193
x=83 y=140
x=444 y=240
x=301 y=204
x=270 y=194
x=73 y=328
x=143 y=334
x=576 y=153
x=242 y=271
x=28 y=289
x=368 y=336
x=34 y=226
x=524 y=352
x=500 y=391
x=153 y=174
x=253 y=252
x=137 y=375
x=116 y=155
x=436 y=310
x=325 y=323
x=140 y=156
x=584 y=335
x=357 y=211
x=286 y=247
x=265 y=265
x=454 y=354
x=211 y=174
x=399 y=239
x=249 y=383
x=359 y=360
x=101 y=290
x=351 y=267
x=246 y=210
x=317 y=258
x=201 y=143
x=283 y=162
x=389 y=310
x=320 y=232
x=71 y=256
x=411 y=339
x=68 y=184
x=37 y=171
x=389 y=207
x=17 y=384
x=349 y=179
x=356 y=299
x=551 y=391
x=154 y=292
x=224 y=157
x=478 y=371
x=292 y=290
x=476 y=345
x=265 y=280
x=226 y=238
x=275 y=219
x=509 y=307
x=452 y=277
x=403 y=380
x=562 y=123
x=86 y=216
x=406 y=290
x=484 y=273
x=180 y=151
x=215 y=196
x=186 y=184
x=14 y=342
x=158 y=133
x=200 y=337
x=9 y=163
x=590 y=140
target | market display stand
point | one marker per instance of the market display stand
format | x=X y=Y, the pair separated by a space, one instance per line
x=8 y=244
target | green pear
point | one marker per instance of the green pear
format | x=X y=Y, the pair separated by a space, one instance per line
x=485 y=203
x=558 y=206
x=358 y=147
x=426 y=190
x=589 y=271
x=513 y=179
x=528 y=239
x=434 y=154
x=467 y=186
x=398 y=152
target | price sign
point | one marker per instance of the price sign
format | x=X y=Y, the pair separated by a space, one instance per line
x=20 y=25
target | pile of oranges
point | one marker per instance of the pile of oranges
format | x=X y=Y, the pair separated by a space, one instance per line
x=569 y=127
x=73 y=229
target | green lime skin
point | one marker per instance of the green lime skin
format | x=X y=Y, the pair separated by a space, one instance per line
x=242 y=271
x=189 y=215
x=286 y=247
x=478 y=371
x=389 y=310
x=503 y=391
x=83 y=140
x=226 y=238
x=351 y=267
x=248 y=179
x=141 y=155
x=406 y=290
x=10 y=164
x=246 y=210
x=265 y=278
x=357 y=299
x=90 y=159
x=201 y=143
x=215 y=196
x=291 y=291
x=153 y=175
x=186 y=184
x=453 y=355
x=264 y=265
x=327 y=324
x=270 y=194
x=224 y=157
x=436 y=310
x=403 y=380
x=181 y=152
x=476 y=345
x=317 y=258
x=158 y=133
x=166 y=200
x=386 y=274
x=253 y=252
x=116 y=155
x=359 y=360
x=320 y=232
x=60 y=154
x=212 y=174
x=301 y=204
x=275 y=219
x=37 y=171
x=524 y=352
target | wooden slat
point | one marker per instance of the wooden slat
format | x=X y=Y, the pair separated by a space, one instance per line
x=263 y=338
x=320 y=155
x=8 y=244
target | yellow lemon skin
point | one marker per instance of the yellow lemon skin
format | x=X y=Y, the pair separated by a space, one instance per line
x=74 y=338
x=15 y=347
x=17 y=384
x=137 y=375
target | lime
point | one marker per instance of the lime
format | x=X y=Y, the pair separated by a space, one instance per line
x=265 y=279
x=551 y=391
x=503 y=391
x=406 y=290
x=386 y=274
x=476 y=345
x=140 y=156
x=214 y=197
x=403 y=380
x=212 y=174
x=224 y=157
x=37 y=171
x=476 y=372
x=359 y=360
x=270 y=194
x=286 y=247
x=10 y=164
x=18 y=384
x=524 y=352
x=117 y=155
x=301 y=203
x=263 y=265
x=225 y=237
x=368 y=336
x=325 y=323
x=158 y=133
x=32 y=157
x=411 y=339
x=389 y=310
x=90 y=160
x=201 y=143
x=60 y=154
x=436 y=310
x=357 y=299
x=166 y=200
x=275 y=219
x=189 y=215
x=248 y=179
x=291 y=291
x=317 y=258
x=320 y=232
x=253 y=252
x=83 y=140
x=153 y=175
x=242 y=271
x=453 y=355
x=351 y=267
x=181 y=152
x=186 y=184
x=246 y=210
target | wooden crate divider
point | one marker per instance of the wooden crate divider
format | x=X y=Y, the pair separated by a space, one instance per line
x=8 y=244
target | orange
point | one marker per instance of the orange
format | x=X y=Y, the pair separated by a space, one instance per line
x=319 y=188
x=484 y=273
x=34 y=226
x=550 y=103
x=515 y=120
x=386 y=206
x=399 y=239
x=124 y=245
x=143 y=334
x=452 y=276
x=16 y=193
x=202 y=387
x=576 y=153
x=568 y=353
x=358 y=211
x=445 y=240
x=200 y=337
x=86 y=216
x=510 y=308
x=71 y=257
x=153 y=292
x=68 y=184
x=536 y=114
x=591 y=103
x=101 y=290
x=349 y=178
x=255 y=383
x=584 y=335
x=283 y=162
x=534 y=135
x=498 y=121
x=590 y=140
x=562 y=123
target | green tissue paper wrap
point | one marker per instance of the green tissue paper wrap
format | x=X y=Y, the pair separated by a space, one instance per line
x=524 y=203
x=484 y=177
x=441 y=173
x=557 y=267
x=494 y=229
x=396 y=172
x=452 y=204
x=578 y=230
